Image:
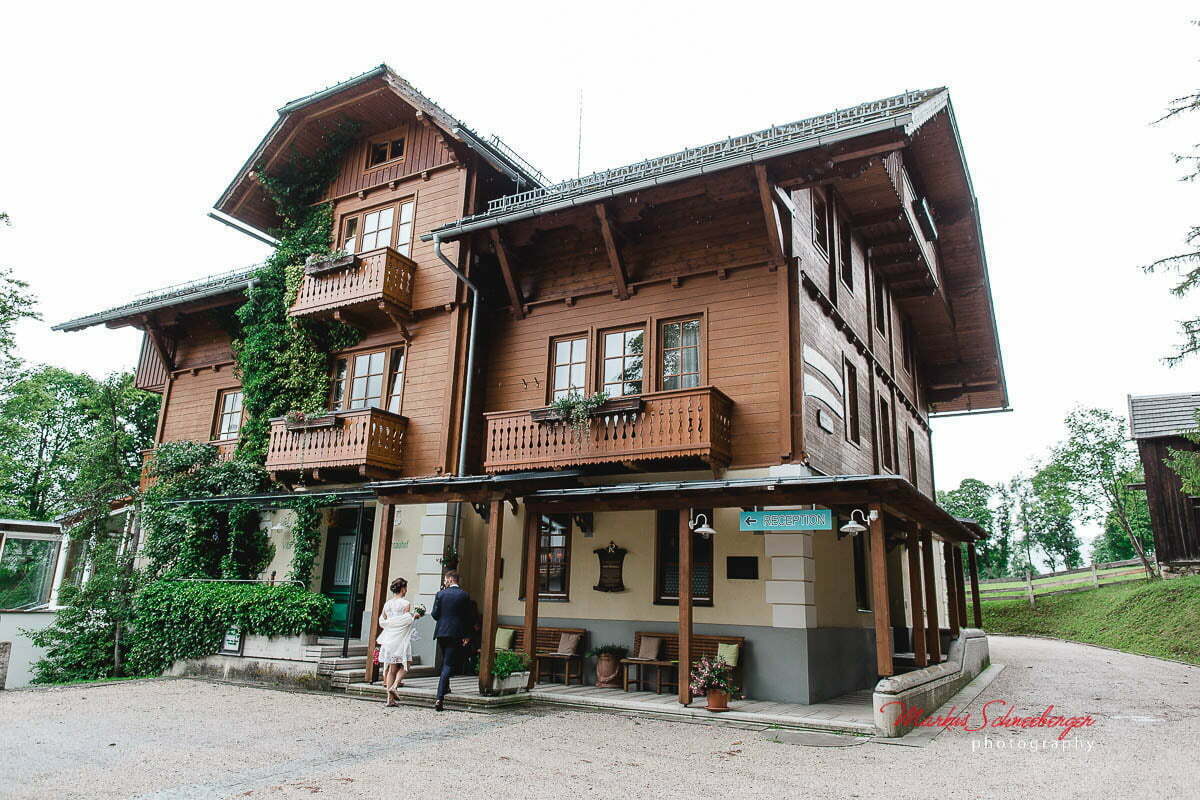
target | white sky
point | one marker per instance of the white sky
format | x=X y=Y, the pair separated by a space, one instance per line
x=122 y=124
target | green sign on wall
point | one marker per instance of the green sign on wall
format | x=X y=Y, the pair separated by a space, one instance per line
x=820 y=519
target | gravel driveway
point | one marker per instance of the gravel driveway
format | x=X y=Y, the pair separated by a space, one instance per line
x=184 y=738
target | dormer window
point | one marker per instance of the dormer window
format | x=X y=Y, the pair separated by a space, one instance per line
x=379 y=153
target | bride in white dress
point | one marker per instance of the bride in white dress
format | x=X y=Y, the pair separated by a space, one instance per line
x=398 y=631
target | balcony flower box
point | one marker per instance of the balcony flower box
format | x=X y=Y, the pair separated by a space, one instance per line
x=333 y=263
x=299 y=421
x=618 y=405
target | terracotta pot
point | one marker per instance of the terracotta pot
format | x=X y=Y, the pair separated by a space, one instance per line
x=608 y=670
x=717 y=700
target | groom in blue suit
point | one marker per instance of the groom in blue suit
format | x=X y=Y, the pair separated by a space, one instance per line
x=454 y=612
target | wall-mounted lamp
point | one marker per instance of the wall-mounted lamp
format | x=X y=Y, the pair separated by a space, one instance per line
x=853 y=528
x=700 y=525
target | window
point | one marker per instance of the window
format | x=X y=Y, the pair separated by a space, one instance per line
x=845 y=253
x=554 y=557
x=906 y=346
x=853 y=424
x=385 y=151
x=680 y=354
x=880 y=299
x=622 y=369
x=666 y=579
x=338 y=385
x=912 y=457
x=862 y=597
x=820 y=220
x=366 y=385
x=396 y=380
x=569 y=369
x=374 y=229
x=885 y=435
x=229 y=413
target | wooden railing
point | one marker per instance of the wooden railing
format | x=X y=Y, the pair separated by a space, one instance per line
x=380 y=276
x=1031 y=587
x=225 y=451
x=685 y=423
x=367 y=440
x=908 y=198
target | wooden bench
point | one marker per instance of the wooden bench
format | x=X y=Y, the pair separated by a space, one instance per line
x=668 y=658
x=547 y=645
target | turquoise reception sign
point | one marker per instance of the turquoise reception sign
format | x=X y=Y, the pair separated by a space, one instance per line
x=820 y=519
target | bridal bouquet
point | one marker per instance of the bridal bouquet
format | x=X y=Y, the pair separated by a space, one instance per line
x=418 y=611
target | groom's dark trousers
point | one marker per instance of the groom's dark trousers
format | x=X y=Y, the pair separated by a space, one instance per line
x=453 y=610
x=452 y=648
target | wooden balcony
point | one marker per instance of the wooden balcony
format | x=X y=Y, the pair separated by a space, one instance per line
x=378 y=280
x=225 y=451
x=681 y=424
x=366 y=441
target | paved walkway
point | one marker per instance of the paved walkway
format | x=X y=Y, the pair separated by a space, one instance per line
x=851 y=713
x=193 y=739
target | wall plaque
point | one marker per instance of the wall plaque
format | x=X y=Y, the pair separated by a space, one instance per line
x=612 y=562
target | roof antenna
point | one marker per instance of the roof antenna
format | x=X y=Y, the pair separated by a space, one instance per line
x=579 y=140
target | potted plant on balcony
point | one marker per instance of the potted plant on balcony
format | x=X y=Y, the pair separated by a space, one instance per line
x=608 y=664
x=302 y=420
x=713 y=678
x=510 y=672
x=576 y=410
x=318 y=263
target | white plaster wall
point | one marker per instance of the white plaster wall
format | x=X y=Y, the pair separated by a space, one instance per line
x=24 y=654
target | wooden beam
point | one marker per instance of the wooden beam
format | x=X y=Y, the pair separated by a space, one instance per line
x=383 y=564
x=532 y=516
x=959 y=587
x=933 y=636
x=506 y=271
x=951 y=590
x=770 y=214
x=614 y=254
x=916 y=597
x=865 y=152
x=973 y=563
x=158 y=340
x=491 y=594
x=877 y=218
x=880 y=602
x=685 y=608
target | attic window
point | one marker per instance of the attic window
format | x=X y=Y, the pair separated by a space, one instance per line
x=385 y=151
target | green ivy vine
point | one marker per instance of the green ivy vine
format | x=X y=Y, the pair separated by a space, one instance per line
x=306 y=536
x=284 y=363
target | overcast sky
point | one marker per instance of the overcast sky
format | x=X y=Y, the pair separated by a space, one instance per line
x=122 y=125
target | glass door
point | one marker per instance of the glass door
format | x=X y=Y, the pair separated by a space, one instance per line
x=344 y=580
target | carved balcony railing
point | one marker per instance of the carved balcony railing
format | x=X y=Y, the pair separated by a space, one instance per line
x=225 y=451
x=680 y=424
x=366 y=441
x=379 y=279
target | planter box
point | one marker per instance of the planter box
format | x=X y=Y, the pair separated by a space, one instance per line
x=517 y=682
x=549 y=416
x=331 y=265
x=325 y=421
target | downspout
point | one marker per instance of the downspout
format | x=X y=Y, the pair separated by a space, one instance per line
x=469 y=386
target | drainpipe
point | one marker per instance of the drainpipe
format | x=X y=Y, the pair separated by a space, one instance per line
x=469 y=387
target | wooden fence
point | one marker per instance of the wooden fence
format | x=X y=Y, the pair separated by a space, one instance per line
x=1071 y=580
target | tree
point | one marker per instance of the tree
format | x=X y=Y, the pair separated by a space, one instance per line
x=1186 y=463
x=16 y=303
x=1113 y=544
x=972 y=499
x=1050 y=516
x=1004 y=524
x=1099 y=461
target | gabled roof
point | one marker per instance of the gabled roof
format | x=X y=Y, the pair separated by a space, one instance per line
x=211 y=286
x=1156 y=415
x=905 y=111
x=298 y=130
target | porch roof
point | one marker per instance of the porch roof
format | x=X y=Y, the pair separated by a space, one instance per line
x=471 y=488
x=894 y=493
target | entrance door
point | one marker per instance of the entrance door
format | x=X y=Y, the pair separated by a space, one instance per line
x=341 y=582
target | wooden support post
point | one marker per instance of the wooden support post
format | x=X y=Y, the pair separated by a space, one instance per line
x=383 y=565
x=770 y=214
x=880 y=602
x=491 y=593
x=933 y=634
x=685 y=607
x=916 y=597
x=506 y=271
x=1095 y=575
x=976 y=606
x=948 y=555
x=1029 y=587
x=532 y=532
x=960 y=589
x=615 y=265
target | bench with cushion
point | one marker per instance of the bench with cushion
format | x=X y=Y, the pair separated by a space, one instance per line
x=665 y=664
x=564 y=646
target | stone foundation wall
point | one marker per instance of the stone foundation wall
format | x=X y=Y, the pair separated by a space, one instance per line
x=928 y=689
x=277 y=672
x=1179 y=569
x=5 y=652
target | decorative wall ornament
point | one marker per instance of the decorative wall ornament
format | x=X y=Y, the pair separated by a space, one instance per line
x=612 y=562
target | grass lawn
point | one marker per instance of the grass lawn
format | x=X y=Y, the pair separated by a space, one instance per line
x=1155 y=618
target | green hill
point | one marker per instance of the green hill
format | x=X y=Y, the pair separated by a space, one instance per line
x=1155 y=618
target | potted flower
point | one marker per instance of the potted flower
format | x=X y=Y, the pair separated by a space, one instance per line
x=608 y=664
x=301 y=420
x=318 y=263
x=713 y=678
x=510 y=672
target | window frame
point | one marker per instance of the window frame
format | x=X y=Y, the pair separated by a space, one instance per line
x=218 y=435
x=851 y=399
x=887 y=452
x=845 y=254
x=349 y=358
x=601 y=357
x=660 y=375
x=825 y=223
x=860 y=568
x=879 y=305
x=359 y=220
x=565 y=597
x=551 y=362
x=912 y=457
x=388 y=139
x=661 y=529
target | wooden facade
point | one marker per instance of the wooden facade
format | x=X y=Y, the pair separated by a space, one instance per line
x=1159 y=424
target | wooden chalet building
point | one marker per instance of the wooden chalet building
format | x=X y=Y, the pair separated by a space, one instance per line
x=1158 y=423
x=775 y=318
